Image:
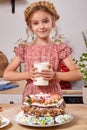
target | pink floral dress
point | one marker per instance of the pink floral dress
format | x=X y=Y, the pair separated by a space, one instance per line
x=55 y=54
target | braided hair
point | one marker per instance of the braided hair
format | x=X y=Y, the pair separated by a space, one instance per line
x=41 y=5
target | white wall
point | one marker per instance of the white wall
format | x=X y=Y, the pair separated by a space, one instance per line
x=73 y=19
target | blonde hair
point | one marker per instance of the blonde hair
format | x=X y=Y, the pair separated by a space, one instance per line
x=41 y=5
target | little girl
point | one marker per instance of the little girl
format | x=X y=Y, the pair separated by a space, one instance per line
x=41 y=18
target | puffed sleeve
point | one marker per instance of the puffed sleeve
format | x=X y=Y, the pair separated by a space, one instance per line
x=20 y=51
x=64 y=50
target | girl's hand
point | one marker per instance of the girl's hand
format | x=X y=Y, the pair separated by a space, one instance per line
x=47 y=74
x=34 y=73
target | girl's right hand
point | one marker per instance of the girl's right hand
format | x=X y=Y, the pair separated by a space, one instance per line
x=34 y=73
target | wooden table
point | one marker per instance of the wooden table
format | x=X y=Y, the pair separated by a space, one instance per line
x=79 y=112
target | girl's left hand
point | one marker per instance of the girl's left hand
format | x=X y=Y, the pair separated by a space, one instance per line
x=47 y=74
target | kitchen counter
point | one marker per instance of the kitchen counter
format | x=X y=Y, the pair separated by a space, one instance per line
x=15 y=94
x=19 y=90
x=78 y=111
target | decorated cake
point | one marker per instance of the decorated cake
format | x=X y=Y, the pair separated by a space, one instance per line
x=43 y=105
x=43 y=109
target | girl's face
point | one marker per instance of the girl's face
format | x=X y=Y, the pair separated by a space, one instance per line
x=41 y=24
